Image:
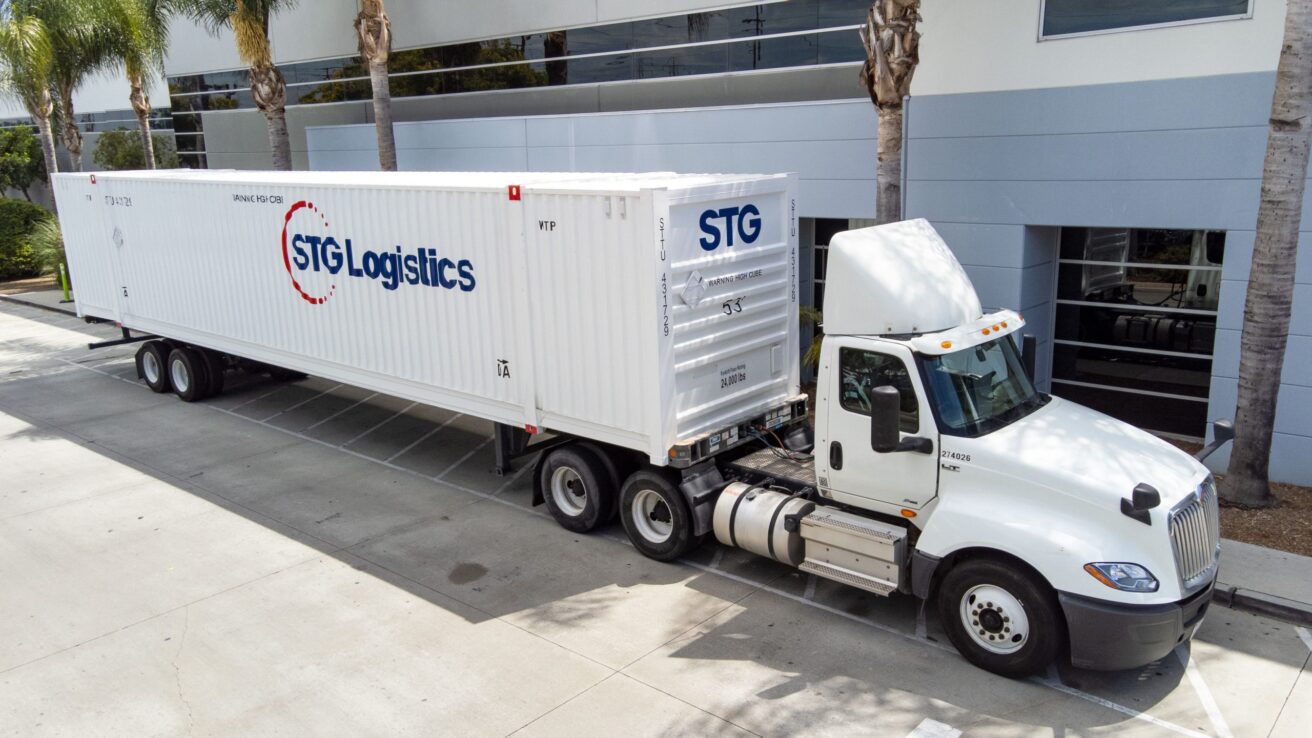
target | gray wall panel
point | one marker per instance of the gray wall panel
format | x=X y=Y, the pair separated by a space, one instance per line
x=1174 y=104
x=1208 y=153
x=831 y=145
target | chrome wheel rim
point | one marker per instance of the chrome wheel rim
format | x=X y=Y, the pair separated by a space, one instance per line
x=568 y=492
x=150 y=367
x=995 y=619
x=651 y=515
x=178 y=373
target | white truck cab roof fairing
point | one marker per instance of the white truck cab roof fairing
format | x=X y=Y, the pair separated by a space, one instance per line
x=895 y=279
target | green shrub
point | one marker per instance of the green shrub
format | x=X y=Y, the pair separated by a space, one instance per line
x=117 y=150
x=48 y=245
x=18 y=259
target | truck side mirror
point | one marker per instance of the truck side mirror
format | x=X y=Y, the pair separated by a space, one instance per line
x=1029 y=350
x=885 y=412
x=1223 y=431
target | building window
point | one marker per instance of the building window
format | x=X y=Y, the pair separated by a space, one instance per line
x=1077 y=17
x=1135 y=324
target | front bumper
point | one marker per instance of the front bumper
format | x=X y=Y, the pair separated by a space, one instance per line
x=1107 y=636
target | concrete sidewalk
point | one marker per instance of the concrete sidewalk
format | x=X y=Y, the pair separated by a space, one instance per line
x=1252 y=578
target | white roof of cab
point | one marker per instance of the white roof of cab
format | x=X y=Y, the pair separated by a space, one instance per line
x=895 y=279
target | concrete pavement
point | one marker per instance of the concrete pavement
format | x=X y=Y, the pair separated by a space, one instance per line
x=312 y=558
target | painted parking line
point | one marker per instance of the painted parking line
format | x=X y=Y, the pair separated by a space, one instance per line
x=375 y=427
x=1183 y=653
x=350 y=407
x=933 y=729
x=299 y=404
x=765 y=587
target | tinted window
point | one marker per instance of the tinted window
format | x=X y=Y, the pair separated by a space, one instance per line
x=860 y=372
x=1083 y=16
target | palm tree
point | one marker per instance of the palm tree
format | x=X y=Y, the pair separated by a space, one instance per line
x=249 y=22
x=26 y=62
x=1271 y=283
x=374 y=29
x=142 y=36
x=892 y=46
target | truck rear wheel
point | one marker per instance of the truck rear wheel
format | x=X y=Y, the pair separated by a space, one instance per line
x=656 y=516
x=187 y=374
x=152 y=362
x=1000 y=617
x=576 y=487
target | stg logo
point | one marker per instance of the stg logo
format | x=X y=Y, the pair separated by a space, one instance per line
x=745 y=221
x=314 y=259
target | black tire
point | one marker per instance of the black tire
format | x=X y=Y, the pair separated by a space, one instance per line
x=1018 y=643
x=214 y=370
x=645 y=522
x=575 y=488
x=152 y=365
x=187 y=374
x=615 y=470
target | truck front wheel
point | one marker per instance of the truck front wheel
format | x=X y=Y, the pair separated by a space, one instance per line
x=1000 y=618
x=656 y=516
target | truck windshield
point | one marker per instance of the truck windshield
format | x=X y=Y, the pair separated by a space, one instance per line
x=980 y=389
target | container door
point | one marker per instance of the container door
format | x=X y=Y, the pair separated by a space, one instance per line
x=855 y=473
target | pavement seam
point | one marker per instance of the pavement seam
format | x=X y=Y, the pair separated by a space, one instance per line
x=878 y=626
x=1301 y=673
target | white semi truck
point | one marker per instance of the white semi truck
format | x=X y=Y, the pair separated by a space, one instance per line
x=646 y=326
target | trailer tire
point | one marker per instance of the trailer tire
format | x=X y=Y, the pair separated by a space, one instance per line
x=1001 y=617
x=187 y=375
x=575 y=487
x=214 y=370
x=656 y=516
x=615 y=474
x=152 y=365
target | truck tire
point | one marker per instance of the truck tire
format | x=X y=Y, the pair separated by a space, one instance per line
x=187 y=374
x=616 y=470
x=576 y=488
x=152 y=365
x=656 y=516
x=1001 y=617
x=214 y=370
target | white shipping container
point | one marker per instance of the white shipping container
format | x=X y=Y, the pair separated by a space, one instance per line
x=644 y=310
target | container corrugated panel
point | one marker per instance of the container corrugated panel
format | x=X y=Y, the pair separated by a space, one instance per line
x=640 y=310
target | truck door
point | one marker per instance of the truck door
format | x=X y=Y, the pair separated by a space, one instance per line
x=854 y=473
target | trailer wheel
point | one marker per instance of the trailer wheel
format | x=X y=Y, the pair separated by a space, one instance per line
x=575 y=487
x=615 y=468
x=152 y=365
x=214 y=370
x=656 y=516
x=187 y=374
x=1000 y=617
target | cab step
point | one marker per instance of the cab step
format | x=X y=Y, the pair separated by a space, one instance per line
x=860 y=552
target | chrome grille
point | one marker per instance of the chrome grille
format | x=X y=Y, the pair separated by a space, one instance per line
x=1196 y=535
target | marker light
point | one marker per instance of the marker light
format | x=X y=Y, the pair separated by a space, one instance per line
x=908 y=513
x=986 y=331
x=1123 y=576
x=1004 y=324
x=946 y=344
x=996 y=328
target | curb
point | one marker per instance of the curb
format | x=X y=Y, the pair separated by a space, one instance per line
x=1238 y=598
x=29 y=303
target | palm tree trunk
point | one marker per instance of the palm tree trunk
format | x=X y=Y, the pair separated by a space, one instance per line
x=383 y=116
x=374 y=32
x=270 y=93
x=888 y=170
x=1271 y=283
x=141 y=106
x=47 y=143
x=71 y=136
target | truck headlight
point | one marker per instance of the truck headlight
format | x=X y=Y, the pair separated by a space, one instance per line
x=1123 y=576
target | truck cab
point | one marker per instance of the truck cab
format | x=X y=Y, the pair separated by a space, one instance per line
x=1026 y=512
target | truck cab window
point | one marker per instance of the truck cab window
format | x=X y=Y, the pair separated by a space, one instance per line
x=860 y=372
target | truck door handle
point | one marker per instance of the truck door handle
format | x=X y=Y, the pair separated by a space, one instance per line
x=835 y=455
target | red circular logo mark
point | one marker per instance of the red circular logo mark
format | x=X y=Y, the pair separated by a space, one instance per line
x=286 y=258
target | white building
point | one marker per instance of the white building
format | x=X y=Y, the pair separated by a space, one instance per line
x=1094 y=163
